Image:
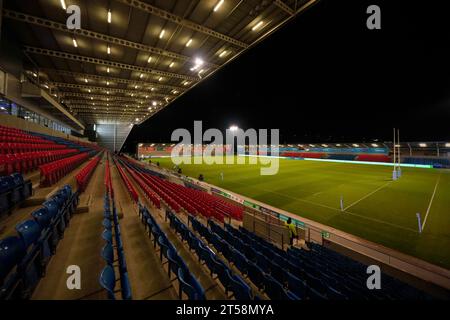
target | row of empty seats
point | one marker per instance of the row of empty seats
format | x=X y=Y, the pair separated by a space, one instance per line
x=14 y=135
x=24 y=257
x=115 y=267
x=231 y=281
x=85 y=174
x=127 y=182
x=8 y=148
x=29 y=161
x=52 y=172
x=13 y=191
x=188 y=284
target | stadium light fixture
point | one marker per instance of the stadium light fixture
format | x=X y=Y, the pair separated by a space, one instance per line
x=75 y=44
x=356 y=145
x=149 y=59
x=109 y=16
x=422 y=145
x=257 y=26
x=189 y=42
x=161 y=35
x=374 y=145
x=218 y=5
x=63 y=4
x=447 y=145
x=107 y=69
x=171 y=65
x=141 y=75
x=233 y=128
x=86 y=80
x=160 y=79
x=108 y=49
x=223 y=53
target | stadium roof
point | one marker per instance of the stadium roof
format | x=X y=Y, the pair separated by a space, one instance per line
x=132 y=58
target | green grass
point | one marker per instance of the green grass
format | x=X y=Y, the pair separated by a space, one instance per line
x=313 y=189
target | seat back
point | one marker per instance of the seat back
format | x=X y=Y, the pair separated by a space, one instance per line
x=241 y=290
x=108 y=281
x=12 y=251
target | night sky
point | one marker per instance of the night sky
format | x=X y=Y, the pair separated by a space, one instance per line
x=324 y=77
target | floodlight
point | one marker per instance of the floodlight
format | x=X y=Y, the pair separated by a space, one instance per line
x=218 y=5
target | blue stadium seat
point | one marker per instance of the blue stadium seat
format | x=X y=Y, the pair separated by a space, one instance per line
x=240 y=289
x=240 y=261
x=297 y=286
x=108 y=253
x=275 y=290
x=190 y=286
x=256 y=274
x=107 y=224
x=107 y=236
x=42 y=217
x=12 y=250
x=108 y=281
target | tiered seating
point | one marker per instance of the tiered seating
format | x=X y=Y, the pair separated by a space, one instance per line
x=244 y=256
x=29 y=161
x=85 y=174
x=374 y=157
x=229 y=280
x=152 y=196
x=316 y=274
x=195 y=202
x=13 y=191
x=108 y=276
x=188 y=284
x=126 y=181
x=54 y=171
x=24 y=257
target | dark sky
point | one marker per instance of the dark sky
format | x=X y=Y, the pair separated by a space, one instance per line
x=326 y=77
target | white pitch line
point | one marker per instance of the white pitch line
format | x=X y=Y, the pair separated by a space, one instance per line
x=431 y=201
x=367 y=195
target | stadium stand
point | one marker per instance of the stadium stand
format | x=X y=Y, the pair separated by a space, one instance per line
x=229 y=280
x=24 y=256
x=177 y=196
x=188 y=284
